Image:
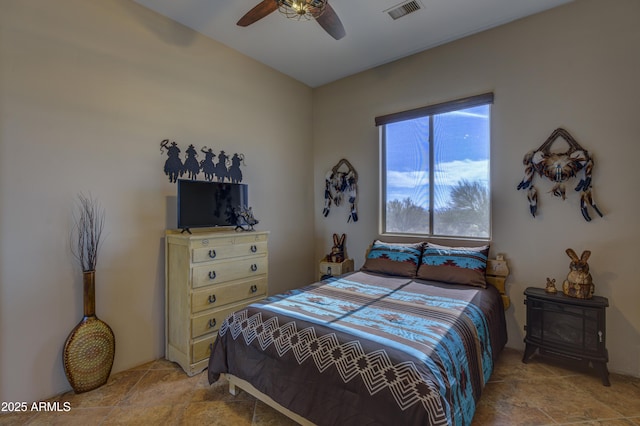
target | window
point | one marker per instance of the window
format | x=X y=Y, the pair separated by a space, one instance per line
x=435 y=170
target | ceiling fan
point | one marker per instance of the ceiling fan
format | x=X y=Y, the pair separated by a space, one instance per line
x=324 y=15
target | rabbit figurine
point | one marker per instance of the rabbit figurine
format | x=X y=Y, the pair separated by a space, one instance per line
x=579 y=283
x=337 y=251
x=551 y=286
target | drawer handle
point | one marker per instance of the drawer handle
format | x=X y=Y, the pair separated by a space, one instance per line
x=210 y=347
x=254 y=288
x=212 y=322
x=212 y=254
x=254 y=267
x=254 y=249
x=212 y=275
x=212 y=298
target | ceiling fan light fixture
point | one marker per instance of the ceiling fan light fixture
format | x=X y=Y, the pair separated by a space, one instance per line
x=302 y=9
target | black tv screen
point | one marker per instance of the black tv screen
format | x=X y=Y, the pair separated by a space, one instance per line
x=204 y=204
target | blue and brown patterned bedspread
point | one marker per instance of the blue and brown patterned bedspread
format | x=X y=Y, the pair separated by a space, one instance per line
x=368 y=349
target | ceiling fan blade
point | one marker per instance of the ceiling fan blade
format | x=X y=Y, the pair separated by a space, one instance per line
x=261 y=10
x=331 y=23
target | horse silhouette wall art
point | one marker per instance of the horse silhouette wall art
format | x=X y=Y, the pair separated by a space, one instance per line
x=227 y=168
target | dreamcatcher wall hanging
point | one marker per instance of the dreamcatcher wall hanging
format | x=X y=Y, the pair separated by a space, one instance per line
x=559 y=168
x=341 y=183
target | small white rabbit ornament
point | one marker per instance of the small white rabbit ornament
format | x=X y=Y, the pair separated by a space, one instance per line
x=579 y=283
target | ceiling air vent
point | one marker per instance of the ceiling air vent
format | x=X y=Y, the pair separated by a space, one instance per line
x=404 y=9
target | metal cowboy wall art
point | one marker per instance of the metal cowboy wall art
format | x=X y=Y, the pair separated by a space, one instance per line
x=173 y=167
x=224 y=169
x=559 y=168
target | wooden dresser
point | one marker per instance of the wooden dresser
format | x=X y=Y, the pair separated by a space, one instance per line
x=208 y=275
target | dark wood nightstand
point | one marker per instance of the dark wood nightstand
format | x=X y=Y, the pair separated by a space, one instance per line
x=567 y=327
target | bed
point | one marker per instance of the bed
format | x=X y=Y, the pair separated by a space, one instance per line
x=411 y=338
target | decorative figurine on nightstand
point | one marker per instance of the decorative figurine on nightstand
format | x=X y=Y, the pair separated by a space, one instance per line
x=336 y=262
x=337 y=251
x=579 y=283
x=551 y=286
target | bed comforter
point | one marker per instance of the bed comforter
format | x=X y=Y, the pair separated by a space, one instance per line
x=368 y=349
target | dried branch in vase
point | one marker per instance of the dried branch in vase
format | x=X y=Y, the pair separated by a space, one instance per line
x=87 y=232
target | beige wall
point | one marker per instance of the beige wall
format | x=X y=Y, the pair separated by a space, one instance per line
x=575 y=67
x=88 y=89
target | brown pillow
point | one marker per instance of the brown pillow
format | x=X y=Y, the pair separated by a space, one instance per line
x=455 y=265
x=399 y=259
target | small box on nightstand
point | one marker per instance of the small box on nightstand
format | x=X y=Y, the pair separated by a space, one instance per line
x=335 y=268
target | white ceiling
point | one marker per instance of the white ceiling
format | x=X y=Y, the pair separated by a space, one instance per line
x=304 y=51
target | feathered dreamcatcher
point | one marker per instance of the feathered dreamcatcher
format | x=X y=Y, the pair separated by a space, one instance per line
x=558 y=168
x=341 y=182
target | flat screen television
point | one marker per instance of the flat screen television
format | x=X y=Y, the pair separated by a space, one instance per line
x=203 y=204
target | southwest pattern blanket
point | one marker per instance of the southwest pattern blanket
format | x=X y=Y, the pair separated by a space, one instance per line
x=376 y=349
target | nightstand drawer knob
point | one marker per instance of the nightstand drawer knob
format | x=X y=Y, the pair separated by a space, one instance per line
x=212 y=298
x=212 y=254
x=212 y=322
x=254 y=248
x=212 y=275
x=254 y=288
x=254 y=267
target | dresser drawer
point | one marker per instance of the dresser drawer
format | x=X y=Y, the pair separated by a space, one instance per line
x=220 y=272
x=210 y=321
x=216 y=296
x=207 y=254
x=202 y=347
x=220 y=239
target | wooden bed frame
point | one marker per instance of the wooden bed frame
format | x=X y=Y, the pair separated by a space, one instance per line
x=496 y=275
x=251 y=390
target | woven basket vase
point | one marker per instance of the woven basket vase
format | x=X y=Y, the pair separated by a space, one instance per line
x=90 y=348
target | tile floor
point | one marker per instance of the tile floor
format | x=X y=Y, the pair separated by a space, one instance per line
x=160 y=393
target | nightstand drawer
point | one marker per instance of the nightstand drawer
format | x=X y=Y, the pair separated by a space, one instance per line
x=335 y=268
x=220 y=272
x=215 y=296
